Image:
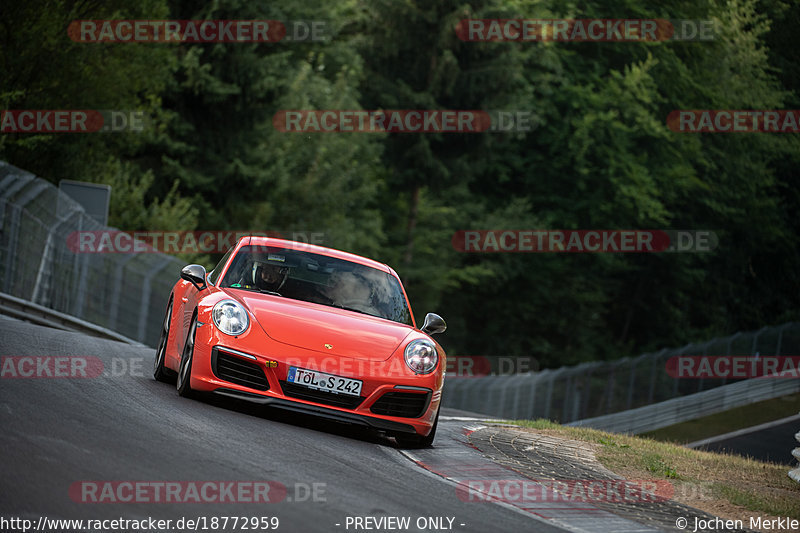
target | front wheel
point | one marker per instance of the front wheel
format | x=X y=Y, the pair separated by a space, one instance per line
x=415 y=441
x=160 y=371
x=183 y=383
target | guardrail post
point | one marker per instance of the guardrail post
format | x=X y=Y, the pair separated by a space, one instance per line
x=631 y=384
x=515 y=401
x=548 y=405
x=501 y=402
x=536 y=378
x=730 y=342
x=526 y=385
x=780 y=338
x=612 y=379
x=682 y=351
x=113 y=307
x=754 y=346
x=76 y=272
x=565 y=411
x=701 y=381
x=44 y=263
x=40 y=294
x=31 y=193
x=13 y=237
x=83 y=278
x=651 y=392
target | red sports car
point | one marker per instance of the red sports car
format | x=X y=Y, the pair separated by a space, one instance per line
x=309 y=329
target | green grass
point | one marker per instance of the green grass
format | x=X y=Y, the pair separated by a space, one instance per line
x=722 y=479
x=780 y=506
x=656 y=465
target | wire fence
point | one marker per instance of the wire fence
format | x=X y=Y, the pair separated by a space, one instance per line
x=598 y=388
x=123 y=292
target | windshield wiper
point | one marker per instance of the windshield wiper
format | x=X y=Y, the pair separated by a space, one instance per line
x=352 y=309
x=256 y=289
x=265 y=291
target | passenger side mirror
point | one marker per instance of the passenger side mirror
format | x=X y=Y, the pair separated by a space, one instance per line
x=433 y=324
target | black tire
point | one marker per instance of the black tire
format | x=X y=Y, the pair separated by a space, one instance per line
x=161 y=372
x=415 y=441
x=183 y=382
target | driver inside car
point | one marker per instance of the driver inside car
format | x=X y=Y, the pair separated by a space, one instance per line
x=269 y=277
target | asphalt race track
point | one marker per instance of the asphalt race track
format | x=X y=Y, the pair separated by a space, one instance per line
x=768 y=442
x=59 y=433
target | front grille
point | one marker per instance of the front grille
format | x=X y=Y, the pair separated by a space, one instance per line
x=237 y=370
x=328 y=398
x=405 y=404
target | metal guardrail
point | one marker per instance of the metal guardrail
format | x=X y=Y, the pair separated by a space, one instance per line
x=795 y=474
x=693 y=406
x=37 y=314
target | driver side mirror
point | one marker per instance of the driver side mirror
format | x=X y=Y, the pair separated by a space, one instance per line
x=433 y=324
x=196 y=275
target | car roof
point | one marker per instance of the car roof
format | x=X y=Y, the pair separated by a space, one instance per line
x=315 y=249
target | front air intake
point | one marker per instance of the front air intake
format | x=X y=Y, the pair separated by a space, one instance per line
x=238 y=370
x=404 y=404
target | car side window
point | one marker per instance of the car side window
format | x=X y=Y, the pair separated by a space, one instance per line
x=214 y=276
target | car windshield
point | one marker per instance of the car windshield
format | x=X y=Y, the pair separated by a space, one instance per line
x=318 y=279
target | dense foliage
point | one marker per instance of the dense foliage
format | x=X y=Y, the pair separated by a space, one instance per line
x=600 y=155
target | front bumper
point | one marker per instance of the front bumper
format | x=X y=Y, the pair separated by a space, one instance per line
x=274 y=360
x=319 y=411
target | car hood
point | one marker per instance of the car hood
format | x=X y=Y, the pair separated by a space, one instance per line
x=313 y=326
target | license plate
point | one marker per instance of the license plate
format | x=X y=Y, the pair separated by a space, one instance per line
x=325 y=382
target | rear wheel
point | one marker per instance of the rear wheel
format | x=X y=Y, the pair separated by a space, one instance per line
x=183 y=383
x=415 y=441
x=161 y=372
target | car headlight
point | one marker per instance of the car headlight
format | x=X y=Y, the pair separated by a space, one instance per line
x=230 y=317
x=421 y=356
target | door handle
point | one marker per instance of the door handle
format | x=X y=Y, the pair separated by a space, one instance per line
x=184 y=299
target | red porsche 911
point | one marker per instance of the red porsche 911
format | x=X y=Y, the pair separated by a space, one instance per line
x=308 y=329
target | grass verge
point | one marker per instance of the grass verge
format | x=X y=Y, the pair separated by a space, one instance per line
x=725 y=485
